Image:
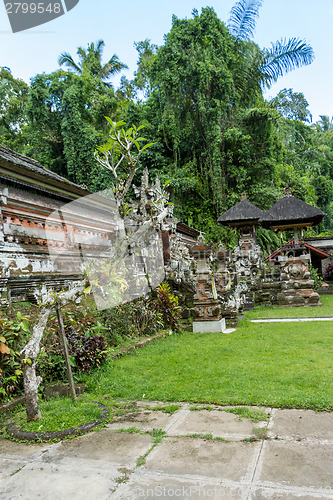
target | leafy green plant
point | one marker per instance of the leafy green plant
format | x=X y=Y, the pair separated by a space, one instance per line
x=87 y=347
x=167 y=305
x=315 y=277
x=133 y=319
x=13 y=334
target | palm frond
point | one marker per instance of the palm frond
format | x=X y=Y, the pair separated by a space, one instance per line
x=68 y=61
x=83 y=54
x=99 y=47
x=112 y=67
x=326 y=123
x=285 y=56
x=243 y=17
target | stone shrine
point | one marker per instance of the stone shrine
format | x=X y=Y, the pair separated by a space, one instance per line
x=290 y=213
x=207 y=306
x=247 y=257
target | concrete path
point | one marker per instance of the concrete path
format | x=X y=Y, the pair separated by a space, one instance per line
x=290 y=320
x=199 y=454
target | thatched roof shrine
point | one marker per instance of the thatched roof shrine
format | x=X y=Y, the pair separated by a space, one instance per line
x=290 y=212
x=241 y=214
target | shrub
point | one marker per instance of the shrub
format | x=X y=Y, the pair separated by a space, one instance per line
x=87 y=347
x=315 y=277
x=133 y=319
x=88 y=350
x=13 y=336
x=329 y=272
x=167 y=305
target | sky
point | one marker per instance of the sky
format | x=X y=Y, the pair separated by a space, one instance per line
x=121 y=23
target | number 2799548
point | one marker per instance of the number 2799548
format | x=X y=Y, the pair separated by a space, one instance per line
x=33 y=8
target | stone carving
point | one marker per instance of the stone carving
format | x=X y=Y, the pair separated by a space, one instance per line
x=207 y=305
x=296 y=283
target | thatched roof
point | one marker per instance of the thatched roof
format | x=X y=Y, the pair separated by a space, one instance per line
x=290 y=211
x=241 y=214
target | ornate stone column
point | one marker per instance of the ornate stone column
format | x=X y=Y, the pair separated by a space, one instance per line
x=206 y=302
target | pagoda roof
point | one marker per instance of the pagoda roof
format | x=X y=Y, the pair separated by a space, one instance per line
x=290 y=212
x=240 y=214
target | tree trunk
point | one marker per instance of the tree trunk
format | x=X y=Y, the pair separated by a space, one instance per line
x=28 y=359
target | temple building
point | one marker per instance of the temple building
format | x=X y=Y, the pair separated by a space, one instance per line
x=290 y=213
x=31 y=199
x=47 y=224
x=294 y=258
x=244 y=218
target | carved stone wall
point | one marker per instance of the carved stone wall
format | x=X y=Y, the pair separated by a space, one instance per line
x=28 y=234
x=228 y=283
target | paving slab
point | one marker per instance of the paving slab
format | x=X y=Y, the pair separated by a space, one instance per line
x=10 y=466
x=215 y=422
x=102 y=465
x=155 y=486
x=51 y=482
x=145 y=420
x=106 y=446
x=25 y=450
x=292 y=494
x=203 y=458
x=298 y=464
x=302 y=424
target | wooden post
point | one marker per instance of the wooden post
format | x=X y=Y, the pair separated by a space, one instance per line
x=65 y=349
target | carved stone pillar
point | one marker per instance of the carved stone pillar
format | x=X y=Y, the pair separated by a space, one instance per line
x=207 y=306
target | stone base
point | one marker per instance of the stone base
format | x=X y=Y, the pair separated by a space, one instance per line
x=209 y=326
x=305 y=297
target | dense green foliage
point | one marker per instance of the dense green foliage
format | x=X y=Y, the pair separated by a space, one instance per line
x=200 y=97
x=13 y=335
x=91 y=335
x=87 y=347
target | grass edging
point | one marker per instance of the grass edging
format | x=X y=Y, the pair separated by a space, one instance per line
x=19 y=435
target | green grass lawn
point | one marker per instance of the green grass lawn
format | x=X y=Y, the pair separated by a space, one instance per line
x=60 y=413
x=301 y=312
x=273 y=365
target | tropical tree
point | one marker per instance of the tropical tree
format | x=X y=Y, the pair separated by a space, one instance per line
x=13 y=119
x=207 y=143
x=325 y=123
x=66 y=111
x=142 y=77
x=90 y=63
x=121 y=156
x=292 y=105
x=265 y=65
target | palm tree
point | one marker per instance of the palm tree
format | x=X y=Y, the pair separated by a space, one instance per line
x=325 y=123
x=90 y=62
x=268 y=64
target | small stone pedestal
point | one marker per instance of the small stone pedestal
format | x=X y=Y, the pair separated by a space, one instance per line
x=209 y=326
